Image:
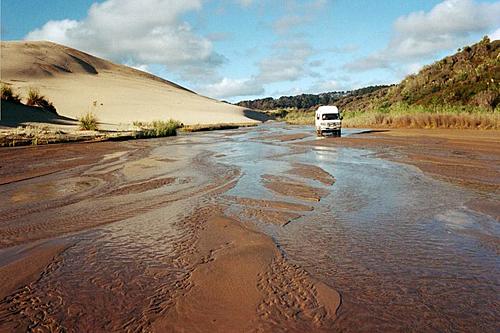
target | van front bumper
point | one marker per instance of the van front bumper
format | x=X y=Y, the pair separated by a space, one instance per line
x=330 y=128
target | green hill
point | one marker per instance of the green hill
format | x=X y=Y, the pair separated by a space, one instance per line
x=466 y=80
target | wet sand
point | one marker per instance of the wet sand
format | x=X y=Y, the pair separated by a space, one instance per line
x=231 y=231
x=286 y=137
x=312 y=172
x=236 y=277
x=219 y=275
x=289 y=187
x=466 y=157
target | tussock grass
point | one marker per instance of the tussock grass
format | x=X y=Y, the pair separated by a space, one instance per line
x=36 y=99
x=157 y=128
x=88 y=122
x=416 y=116
x=7 y=94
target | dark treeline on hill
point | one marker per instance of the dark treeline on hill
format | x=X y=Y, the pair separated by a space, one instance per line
x=304 y=101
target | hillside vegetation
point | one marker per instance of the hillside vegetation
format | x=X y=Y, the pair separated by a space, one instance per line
x=459 y=91
x=470 y=77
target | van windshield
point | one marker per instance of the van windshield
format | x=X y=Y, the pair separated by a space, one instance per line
x=330 y=116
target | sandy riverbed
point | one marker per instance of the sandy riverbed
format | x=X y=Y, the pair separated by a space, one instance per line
x=231 y=231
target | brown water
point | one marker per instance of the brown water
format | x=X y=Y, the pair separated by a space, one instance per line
x=402 y=248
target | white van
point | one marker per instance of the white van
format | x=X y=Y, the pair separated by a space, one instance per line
x=328 y=120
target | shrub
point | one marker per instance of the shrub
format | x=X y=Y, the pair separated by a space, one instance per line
x=8 y=95
x=36 y=99
x=158 y=128
x=88 y=122
x=486 y=99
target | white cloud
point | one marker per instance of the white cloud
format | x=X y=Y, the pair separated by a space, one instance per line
x=298 y=13
x=55 y=31
x=245 y=3
x=349 y=48
x=317 y=4
x=143 y=32
x=141 y=67
x=413 y=68
x=286 y=23
x=423 y=34
x=287 y=92
x=339 y=84
x=233 y=88
x=325 y=86
x=450 y=17
x=495 y=35
x=290 y=61
x=287 y=63
x=219 y=36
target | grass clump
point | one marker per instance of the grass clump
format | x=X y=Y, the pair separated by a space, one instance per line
x=36 y=99
x=88 y=122
x=7 y=94
x=158 y=128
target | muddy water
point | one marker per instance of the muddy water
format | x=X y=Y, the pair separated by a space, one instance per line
x=403 y=249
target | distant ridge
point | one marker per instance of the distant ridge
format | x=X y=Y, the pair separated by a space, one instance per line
x=304 y=101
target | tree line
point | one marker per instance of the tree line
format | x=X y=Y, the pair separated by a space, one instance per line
x=304 y=101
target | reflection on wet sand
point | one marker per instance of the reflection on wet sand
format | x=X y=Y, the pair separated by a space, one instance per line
x=233 y=231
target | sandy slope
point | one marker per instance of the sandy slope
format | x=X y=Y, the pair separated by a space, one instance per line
x=77 y=82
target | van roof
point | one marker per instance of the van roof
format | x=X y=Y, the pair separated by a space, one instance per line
x=328 y=108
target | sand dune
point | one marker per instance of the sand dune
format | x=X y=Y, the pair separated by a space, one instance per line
x=77 y=82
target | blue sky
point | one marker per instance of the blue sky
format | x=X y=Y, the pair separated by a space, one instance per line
x=244 y=49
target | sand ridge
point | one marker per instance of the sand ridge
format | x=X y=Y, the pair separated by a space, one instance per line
x=235 y=287
x=312 y=172
x=290 y=187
